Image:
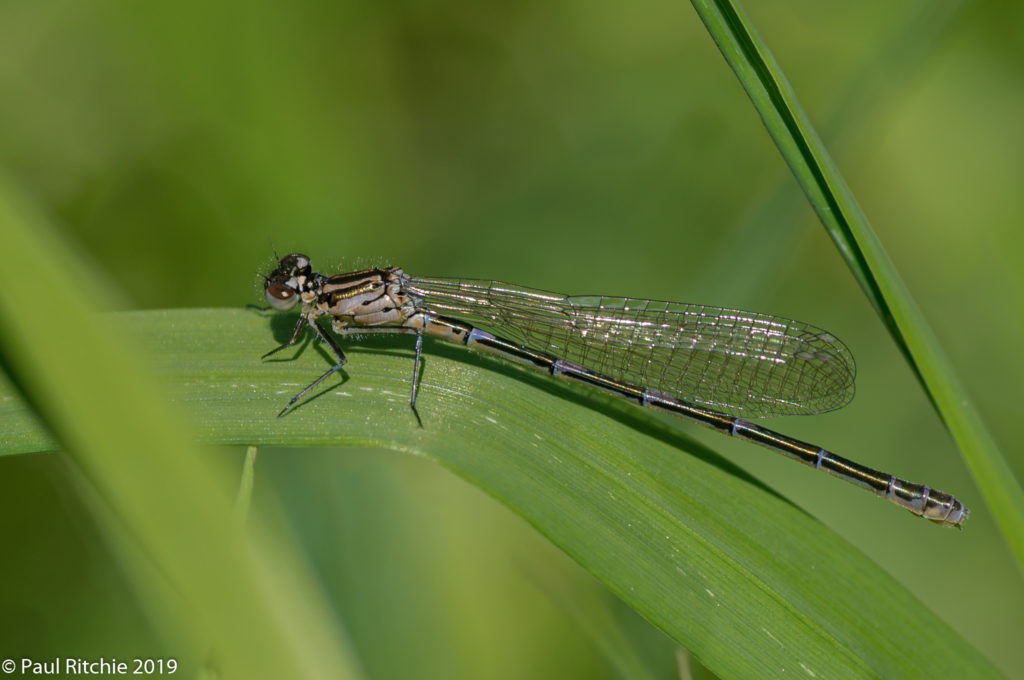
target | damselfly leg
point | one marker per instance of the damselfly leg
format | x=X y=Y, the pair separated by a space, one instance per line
x=385 y=330
x=326 y=337
x=291 y=341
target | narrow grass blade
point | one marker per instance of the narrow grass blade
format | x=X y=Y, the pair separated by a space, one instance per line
x=842 y=217
x=143 y=467
x=244 y=498
x=888 y=71
x=605 y=629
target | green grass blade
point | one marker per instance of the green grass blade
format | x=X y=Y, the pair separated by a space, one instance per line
x=747 y=582
x=244 y=499
x=849 y=229
x=241 y=606
x=860 y=107
x=606 y=630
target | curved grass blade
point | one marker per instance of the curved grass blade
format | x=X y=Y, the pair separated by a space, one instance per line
x=747 y=582
x=158 y=496
x=849 y=229
x=880 y=78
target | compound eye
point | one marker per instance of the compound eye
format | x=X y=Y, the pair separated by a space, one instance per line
x=296 y=263
x=281 y=297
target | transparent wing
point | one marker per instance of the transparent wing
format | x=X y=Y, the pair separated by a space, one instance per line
x=729 y=360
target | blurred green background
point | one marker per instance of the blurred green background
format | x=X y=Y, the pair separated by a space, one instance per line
x=594 y=147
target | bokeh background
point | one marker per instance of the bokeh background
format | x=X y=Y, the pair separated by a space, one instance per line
x=585 y=147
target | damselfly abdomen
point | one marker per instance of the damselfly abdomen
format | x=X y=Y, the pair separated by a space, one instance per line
x=706 y=364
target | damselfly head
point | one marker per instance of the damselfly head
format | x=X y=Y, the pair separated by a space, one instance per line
x=292 y=276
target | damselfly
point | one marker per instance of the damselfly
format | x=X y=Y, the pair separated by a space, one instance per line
x=703 y=363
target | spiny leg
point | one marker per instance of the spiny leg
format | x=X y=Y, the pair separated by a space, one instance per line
x=295 y=336
x=416 y=376
x=326 y=337
x=380 y=330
